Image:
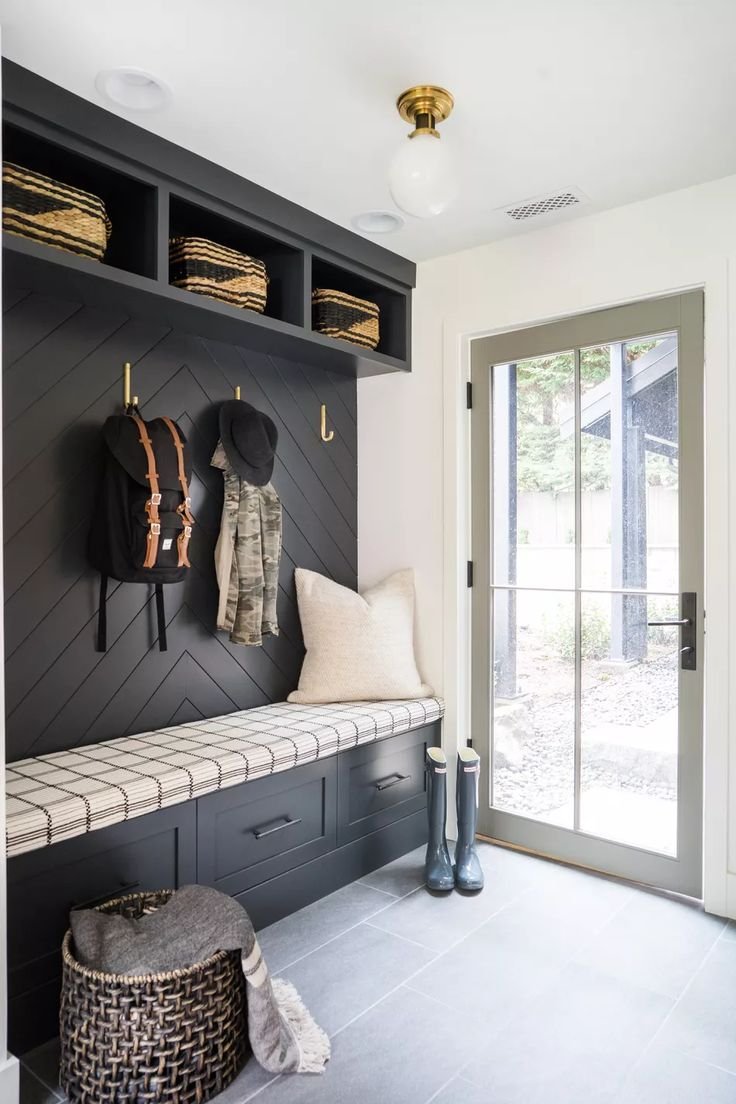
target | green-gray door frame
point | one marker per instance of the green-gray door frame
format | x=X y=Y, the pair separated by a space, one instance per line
x=683 y=315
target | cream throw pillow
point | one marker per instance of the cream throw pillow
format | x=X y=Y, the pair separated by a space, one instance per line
x=360 y=647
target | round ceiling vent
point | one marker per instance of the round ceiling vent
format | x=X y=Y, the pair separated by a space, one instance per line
x=133 y=88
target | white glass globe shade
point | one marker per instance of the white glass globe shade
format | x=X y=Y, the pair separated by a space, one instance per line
x=421 y=177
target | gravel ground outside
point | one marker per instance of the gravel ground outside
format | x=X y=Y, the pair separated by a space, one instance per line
x=629 y=695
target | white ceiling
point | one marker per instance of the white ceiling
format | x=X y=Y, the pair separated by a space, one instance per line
x=620 y=99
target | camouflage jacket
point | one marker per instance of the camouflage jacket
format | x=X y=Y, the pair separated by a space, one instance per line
x=247 y=557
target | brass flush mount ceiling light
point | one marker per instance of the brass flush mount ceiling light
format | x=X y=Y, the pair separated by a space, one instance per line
x=421 y=176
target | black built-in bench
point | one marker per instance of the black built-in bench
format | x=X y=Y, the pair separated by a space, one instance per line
x=332 y=792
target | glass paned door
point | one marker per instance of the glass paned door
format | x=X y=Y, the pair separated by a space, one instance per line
x=587 y=608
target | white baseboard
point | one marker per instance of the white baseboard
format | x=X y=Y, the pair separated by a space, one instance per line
x=10 y=1081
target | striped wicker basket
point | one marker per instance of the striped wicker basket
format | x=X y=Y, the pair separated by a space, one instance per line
x=37 y=207
x=339 y=315
x=221 y=273
x=178 y=1037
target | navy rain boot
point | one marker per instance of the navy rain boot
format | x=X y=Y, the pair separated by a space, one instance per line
x=438 y=867
x=468 y=871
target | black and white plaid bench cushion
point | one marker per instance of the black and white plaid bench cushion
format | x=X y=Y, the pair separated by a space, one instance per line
x=54 y=797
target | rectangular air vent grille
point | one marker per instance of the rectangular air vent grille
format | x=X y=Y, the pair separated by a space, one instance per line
x=543 y=206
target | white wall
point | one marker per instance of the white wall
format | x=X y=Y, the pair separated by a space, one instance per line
x=412 y=443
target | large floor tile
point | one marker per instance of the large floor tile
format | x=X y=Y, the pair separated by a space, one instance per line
x=296 y=935
x=33 y=1091
x=654 y=942
x=507 y=961
x=571 y=894
x=703 y=1023
x=460 y=1091
x=498 y=861
x=730 y=931
x=575 y=1044
x=496 y=971
x=439 y=920
x=400 y=1052
x=247 y=1084
x=43 y=1061
x=344 y=978
x=666 y=1077
x=399 y=877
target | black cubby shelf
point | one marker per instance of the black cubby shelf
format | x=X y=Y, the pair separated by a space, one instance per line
x=284 y=262
x=130 y=202
x=148 y=204
x=392 y=302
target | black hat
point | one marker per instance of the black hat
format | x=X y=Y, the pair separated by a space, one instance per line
x=249 y=439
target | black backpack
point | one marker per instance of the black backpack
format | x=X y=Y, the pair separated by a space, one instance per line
x=142 y=522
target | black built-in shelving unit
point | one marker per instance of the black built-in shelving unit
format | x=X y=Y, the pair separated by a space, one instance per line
x=69 y=325
x=154 y=190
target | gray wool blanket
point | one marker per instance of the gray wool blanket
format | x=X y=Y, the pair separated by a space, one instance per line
x=193 y=924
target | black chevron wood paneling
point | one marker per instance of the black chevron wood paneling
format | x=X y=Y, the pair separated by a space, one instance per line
x=61 y=379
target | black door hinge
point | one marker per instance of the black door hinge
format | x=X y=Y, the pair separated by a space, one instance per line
x=469 y=395
x=470 y=573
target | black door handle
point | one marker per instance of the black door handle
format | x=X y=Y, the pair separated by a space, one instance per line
x=391 y=780
x=688 y=622
x=664 y=624
x=265 y=830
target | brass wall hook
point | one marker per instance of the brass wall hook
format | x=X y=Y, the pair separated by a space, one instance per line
x=236 y=391
x=323 y=425
x=127 y=402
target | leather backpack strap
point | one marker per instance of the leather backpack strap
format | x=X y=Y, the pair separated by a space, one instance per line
x=161 y=618
x=154 y=520
x=185 y=509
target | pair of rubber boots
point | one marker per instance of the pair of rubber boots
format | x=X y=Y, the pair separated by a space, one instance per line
x=466 y=873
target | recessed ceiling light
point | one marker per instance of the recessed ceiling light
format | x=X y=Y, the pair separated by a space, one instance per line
x=378 y=222
x=133 y=88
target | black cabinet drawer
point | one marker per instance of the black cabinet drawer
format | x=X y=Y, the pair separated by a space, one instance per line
x=157 y=851
x=382 y=782
x=260 y=829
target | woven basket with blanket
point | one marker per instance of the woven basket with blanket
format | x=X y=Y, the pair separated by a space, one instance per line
x=165 y=994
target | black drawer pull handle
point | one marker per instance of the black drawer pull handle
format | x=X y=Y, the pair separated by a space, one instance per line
x=287 y=822
x=123 y=888
x=391 y=780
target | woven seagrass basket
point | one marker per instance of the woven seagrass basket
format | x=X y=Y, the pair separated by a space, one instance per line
x=219 y=272
x=178 y=1037
x=339 y=315
x=45 y=210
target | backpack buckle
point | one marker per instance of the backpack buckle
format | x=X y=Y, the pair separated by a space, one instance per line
x=188 y=503
x=155 y=528
x=187 y=531
x=155 y=499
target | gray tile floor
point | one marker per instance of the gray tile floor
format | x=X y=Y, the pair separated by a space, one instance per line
x=553 y=985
